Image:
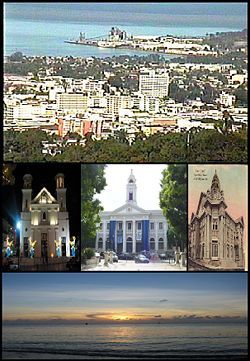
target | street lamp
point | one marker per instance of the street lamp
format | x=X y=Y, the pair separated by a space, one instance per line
x=18 y=227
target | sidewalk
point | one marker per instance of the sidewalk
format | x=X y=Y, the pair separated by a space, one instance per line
x=132 y=266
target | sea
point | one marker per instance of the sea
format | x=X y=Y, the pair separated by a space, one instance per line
x=46 y=38
x=226 y=341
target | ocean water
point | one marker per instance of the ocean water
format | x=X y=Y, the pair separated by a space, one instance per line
x=47 y=37
x=209 y=341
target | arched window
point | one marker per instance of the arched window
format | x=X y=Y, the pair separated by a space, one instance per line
x=152 y=244
x=44 y=216
x=160 y=244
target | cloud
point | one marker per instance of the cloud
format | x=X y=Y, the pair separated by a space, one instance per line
x=163 y=300
x=157 y=316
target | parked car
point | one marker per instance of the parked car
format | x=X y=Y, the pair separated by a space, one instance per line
x=125 y=256
x=141 y=259
x=114 y=256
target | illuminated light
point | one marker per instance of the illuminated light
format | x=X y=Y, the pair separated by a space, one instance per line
x=18 y=225
x=52 y=255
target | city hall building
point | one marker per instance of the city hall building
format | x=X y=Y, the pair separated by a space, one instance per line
x=130 y=228
x=215 y=238
x=44 y=223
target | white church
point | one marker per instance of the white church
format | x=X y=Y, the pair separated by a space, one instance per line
x=130 y=228
x=44 y=224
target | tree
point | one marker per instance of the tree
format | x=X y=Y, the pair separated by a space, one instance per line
x=173 y=202
x=92 y=182
x=8 y=178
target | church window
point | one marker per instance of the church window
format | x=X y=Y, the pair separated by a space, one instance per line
x=227 y=251
x=131 y=181
x=26 y=204
x=44 y=216
x=129 y=226
x=160 y=225
x=130 y=196
x=62 y=229
x=26 y=229
x=120 y=226
x=108 y=225
x=152 y=226
x=139 y=226
x=101 y=225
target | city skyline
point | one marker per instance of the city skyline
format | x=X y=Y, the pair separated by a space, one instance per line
x=134 y=298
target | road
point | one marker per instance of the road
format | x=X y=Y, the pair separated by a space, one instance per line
x=132 y=266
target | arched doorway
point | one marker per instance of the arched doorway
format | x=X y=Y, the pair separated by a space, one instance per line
x=100 y=243
x=129 y=245
x=152 y=244
x=160 y=244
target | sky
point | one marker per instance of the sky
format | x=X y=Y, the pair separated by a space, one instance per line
x=130 y=297
x=148 y=178
x=233 y=181
x=231 y=15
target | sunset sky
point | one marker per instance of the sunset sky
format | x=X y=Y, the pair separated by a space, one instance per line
x=129 y=297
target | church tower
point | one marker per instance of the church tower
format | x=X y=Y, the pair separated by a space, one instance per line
x=215 y=187
x=27 y=192
x=131 y=189
x=61 y=192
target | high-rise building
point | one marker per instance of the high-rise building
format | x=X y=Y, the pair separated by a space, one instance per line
x=153 y=84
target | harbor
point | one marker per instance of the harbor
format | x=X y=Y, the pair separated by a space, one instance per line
x=169 y=45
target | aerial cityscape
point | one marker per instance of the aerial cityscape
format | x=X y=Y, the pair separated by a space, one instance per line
x=165 y=101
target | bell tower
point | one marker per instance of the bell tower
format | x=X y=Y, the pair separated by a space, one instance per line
x=61 y=192
x=131 y=189
x=215 y=187
x=27 y=192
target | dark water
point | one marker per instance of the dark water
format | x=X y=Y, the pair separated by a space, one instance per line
x=130 y=341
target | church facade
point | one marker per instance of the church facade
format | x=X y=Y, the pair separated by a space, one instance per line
x=215 y=238
x=44 y=224
x=131 y=229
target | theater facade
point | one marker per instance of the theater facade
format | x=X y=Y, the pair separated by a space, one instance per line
x=130 y=228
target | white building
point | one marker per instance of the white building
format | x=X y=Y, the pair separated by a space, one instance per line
x=44 y=219
x=72 y=102
x=154 y=85
x=130 y=228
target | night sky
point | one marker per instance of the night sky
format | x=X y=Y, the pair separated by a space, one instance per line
x=44 y=176
x=127 y=297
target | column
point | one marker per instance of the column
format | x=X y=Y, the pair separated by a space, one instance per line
x=134 y=241
x=104 y=235
x=156 y=235
x=96 y=240
x=124 y=236
x=208 y=241
x=165 y=236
